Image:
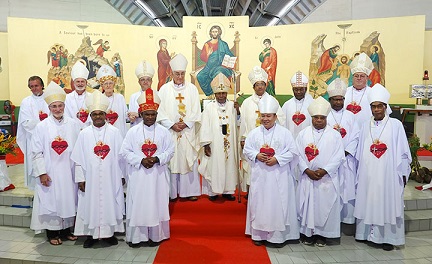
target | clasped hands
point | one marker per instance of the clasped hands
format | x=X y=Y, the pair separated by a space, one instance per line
x=45 y=180
x=149 y=162
x=179 y=126
x=315 y=175
x=268 y=160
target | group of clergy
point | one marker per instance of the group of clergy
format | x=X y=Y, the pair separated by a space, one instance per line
x=307 y=166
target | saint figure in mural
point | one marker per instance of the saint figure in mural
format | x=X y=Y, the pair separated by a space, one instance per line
x=375 y=76
x=212 y=54
x=63 y=57
x=327 y=59
x=343 y=69
x=268 y=59
x=164 y=69
x=52 y=56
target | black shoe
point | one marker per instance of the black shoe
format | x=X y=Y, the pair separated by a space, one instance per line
x=111 y=240
x=153 y=244
x=246 y=196
x=275 y=245
x=134 y=245
x=320 y=241
x=308 y=241
x=89 y=242
x=258 y=242
x=213 y=198
x=173 y=199
x=388 y=247
x=193 y=198
x=229 y=197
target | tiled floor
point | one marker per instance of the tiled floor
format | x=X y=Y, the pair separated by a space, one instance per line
x=20 y=245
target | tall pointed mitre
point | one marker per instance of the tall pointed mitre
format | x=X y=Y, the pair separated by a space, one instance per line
x=178 y=63
x=337 y=87
x=220 y=84
x=362 y=63
x=97 y=101
x=144 y=69
x=257 y=74
x=79 y=70
x=54 y=93
x=106 y=73
x=319 y=106
x=148 y=100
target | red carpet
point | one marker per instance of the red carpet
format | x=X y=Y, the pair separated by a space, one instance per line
x=18 y=159
x=209 y=232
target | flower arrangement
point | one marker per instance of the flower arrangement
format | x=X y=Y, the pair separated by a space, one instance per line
x=418 y=173
x=7 y=143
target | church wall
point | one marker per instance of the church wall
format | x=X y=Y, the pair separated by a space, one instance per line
x=4 y=67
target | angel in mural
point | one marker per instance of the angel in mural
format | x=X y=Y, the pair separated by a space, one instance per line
x=103 y=46
x=63 y=55
x=52 y=57
x=213 y=53
x=163 y=58
x=268 y=59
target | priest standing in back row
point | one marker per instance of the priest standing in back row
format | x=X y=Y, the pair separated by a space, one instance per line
x=100 y=199
x=219 y=158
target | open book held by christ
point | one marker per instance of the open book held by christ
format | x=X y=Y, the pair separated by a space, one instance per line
x=229 y=62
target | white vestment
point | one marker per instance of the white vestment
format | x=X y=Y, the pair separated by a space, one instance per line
x=344 y=122
x=271 y=212
x=319 y=201
x=101 y=206
x=32 y=110
x=296 y=114
x=380 y=187
x=118 y=108
x=220 y=170
x=147 y=212
x=54 y=206
x=249 y=120
x=76 y=109
x=182 y=103
x=359 y=97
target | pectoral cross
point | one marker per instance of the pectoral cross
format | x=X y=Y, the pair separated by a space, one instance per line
x=314 y=149
x=179 y=98
x=374 y=149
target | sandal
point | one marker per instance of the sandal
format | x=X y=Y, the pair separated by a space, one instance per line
x=55 y=241
x=66 y=234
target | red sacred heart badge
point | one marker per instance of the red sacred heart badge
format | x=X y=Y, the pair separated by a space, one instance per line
x=101 y=150
x=341 y=130
x=354 y=107
x=59 y=145
x=298 y=118
x=378 y=148
x=311 y=151
x=82 y=115
x=266 y=149
x=112 y=117
x=148 y=148
x=42 y=115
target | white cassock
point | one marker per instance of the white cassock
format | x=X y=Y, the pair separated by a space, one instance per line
x=319 y=201
x=54 y=207
x=147 y=212
x=357 y=102
x=117 y=112
x=33 y=110
x=75 y=108
x=380 y=189
x=249 y=120
x=220 y=170
x=271 y=212
x=185 y=179
x=344 y=122
x=101 y=207
x=297 y=115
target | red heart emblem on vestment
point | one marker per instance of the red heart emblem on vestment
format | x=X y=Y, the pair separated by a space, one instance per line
x=354 y=108
x=270 y=152
x=298 y=118
x=378 y=149
x=82 y=115
x=59 y=145
x=311 y=152
x=149 y=149
x=341 y=130
x=42 y=115
x=112 y=117
x=101 y=150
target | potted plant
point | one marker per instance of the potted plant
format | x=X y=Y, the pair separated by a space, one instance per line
x=7 y=146
x=418 y=173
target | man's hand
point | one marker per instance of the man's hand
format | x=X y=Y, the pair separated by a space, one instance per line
x=81 y=186
x=312 y=175
x=207 y=150
x=45 y=180
x=320 y=172
x=262 y=157
x=271 y=161
x=147 y=162
x=132 y=116
x=179 y=126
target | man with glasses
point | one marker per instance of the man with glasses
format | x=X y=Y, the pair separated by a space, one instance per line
x=295 y=109
x=144 y=72
x=356 y=99
x=116 y=113
x=180 y=112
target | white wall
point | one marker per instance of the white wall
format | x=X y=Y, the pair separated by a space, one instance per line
x=75 y=10
x=334 y=10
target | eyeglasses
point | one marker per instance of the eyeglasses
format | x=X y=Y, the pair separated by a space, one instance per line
x=106 y=84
